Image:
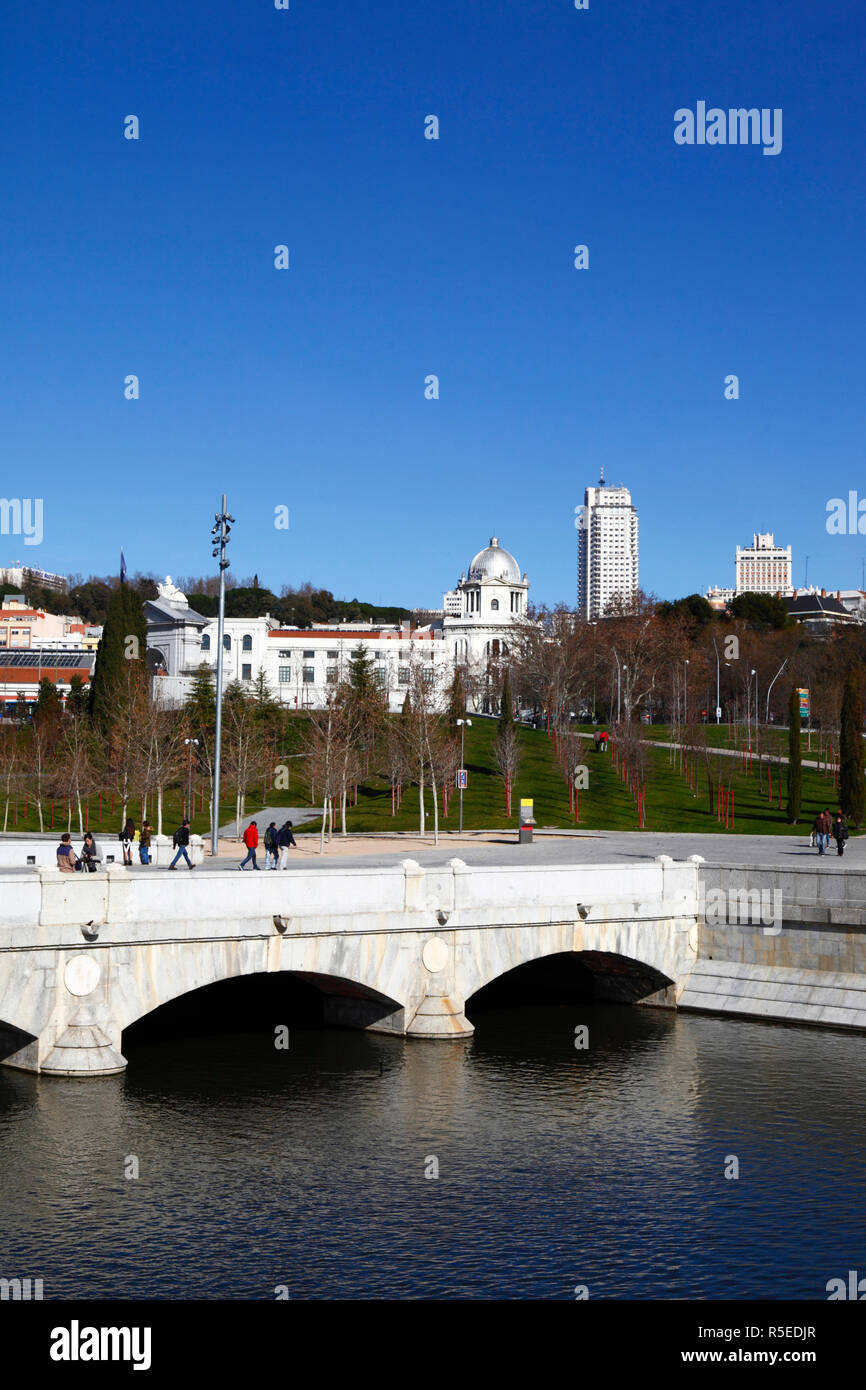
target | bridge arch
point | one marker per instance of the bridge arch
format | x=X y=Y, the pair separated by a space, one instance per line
x=573 y=976
x=345 y=972
x=623 y=960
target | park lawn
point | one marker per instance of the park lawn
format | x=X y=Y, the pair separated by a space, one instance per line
x=606 y=804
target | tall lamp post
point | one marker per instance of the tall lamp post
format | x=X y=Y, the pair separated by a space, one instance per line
x=757 y=708
x=220 y=533
x=594 y=627
x=618 y=683
x=461 y=724
x=718 y=693
x=685 y=692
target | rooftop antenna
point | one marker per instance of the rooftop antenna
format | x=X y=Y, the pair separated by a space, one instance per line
x=601 y=477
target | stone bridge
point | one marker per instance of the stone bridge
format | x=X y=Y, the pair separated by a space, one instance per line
x=397 y=949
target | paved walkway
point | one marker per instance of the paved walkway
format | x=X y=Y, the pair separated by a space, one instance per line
x=563 y=847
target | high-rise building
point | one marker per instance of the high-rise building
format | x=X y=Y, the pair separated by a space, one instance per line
x=763 y=567
x=606 y=549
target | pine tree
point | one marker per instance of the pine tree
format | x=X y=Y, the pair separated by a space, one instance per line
x=76 y=700
x=407 y=706
x=795 y=777
x=201 y=701
x=852 y=792
x=124 y=638
x=48 y=709
x=361 y=674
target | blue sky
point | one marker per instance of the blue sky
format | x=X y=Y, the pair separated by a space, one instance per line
x=305 y=388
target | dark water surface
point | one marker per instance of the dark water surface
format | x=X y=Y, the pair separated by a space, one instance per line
x=557 y=1167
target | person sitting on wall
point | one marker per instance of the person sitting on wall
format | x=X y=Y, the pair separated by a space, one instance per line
x=67 y=859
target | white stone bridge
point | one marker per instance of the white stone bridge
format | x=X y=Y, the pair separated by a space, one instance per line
x=398 y=949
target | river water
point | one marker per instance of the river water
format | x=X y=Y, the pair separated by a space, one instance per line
x=306 y=1167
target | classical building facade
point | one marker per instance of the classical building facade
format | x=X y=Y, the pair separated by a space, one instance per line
x=302 y=666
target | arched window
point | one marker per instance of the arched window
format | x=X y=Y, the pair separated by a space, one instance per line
x=248 y=643
x=227 y=643
x=205 y=642
x=494 y=603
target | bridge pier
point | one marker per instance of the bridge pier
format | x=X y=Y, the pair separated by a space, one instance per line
x=440 y=1016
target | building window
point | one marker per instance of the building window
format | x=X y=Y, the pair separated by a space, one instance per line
x=246 y=672
x=331 y=675
x=205 y=642
x=247 y=643
x=494 y=603
x=403 y=675
x=285 y=675
x=307 y=655
x=227 y=643
x=427 y=675
x=309 y=675
x=381 y=675
x=332 y=656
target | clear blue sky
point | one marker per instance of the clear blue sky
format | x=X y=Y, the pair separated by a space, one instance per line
x=305 y=388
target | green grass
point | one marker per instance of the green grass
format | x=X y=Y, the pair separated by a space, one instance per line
x=605 y=805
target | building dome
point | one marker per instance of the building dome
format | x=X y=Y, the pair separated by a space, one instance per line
x=495 y=563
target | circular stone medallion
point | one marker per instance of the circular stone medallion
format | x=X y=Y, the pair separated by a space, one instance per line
x=435 y=954
x=81 y=975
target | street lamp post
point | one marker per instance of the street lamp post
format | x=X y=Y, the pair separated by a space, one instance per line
x=220 y=533
x=685 y=692
x=718 y=694
x=618 y=683
x=461 y=724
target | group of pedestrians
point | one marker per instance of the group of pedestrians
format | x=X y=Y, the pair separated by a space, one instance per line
x=824 y=827
x=139 y=837
x=277 y=845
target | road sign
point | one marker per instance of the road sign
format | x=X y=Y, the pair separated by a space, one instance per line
x=803 y=695
x=462 y=779
x=718 y=711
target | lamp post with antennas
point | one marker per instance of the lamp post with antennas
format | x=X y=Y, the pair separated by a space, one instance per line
x=220 y=533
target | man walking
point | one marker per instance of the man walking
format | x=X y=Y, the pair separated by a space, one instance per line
x=181 y=841
x=272 y=849
x=821 y=830
x=840 y=832
x=251 y=840
x=285 y=838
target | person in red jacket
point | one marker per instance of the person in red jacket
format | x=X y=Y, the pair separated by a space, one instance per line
x=251 y=840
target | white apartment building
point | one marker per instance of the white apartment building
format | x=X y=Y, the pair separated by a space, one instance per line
x=607 y=549
x=763 y=567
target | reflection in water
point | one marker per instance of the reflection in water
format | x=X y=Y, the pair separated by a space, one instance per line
x=557 y=1167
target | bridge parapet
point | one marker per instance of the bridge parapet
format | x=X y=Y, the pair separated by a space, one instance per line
x=399 y=948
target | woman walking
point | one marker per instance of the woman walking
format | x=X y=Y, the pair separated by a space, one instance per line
x=126 y=837
x=840 y=832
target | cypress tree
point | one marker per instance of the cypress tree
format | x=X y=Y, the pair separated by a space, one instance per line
x=506 y=705
x=124 y=621
x=361 y=672
x=852 y=792
x=407 y=706
x=795 y=777
x=456 y=700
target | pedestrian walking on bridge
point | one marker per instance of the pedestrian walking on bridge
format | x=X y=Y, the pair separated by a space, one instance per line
x=251 y=840
x=285 y=838
x=840 y=832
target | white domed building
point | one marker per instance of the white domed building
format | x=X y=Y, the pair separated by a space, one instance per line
x=481 y=611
